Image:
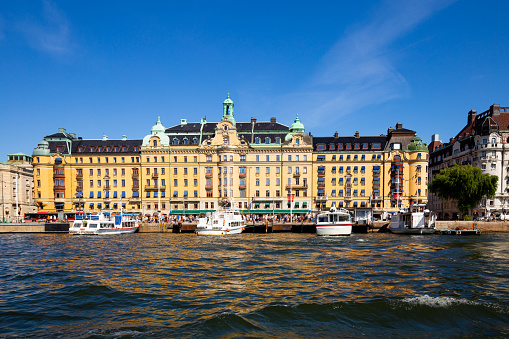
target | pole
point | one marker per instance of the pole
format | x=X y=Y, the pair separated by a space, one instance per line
x=291 y=204
x=3 y=205
x=17 y=191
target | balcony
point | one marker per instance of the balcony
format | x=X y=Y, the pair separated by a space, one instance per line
x=321 y=198
x=242 y=174
x=209 y=174
x=136 y=186
x=58 y=176
x=208 y=187
x=58 y=188
x=155 y=175
x=348 y=197
x=320 y=185
x=375 y=198
x=321 y=173
x=106 y=187
x=135 y=175
x=296 y=174
x=242 y=187
x=376 y=173
x=155 y=187
x=348 y=185
x=134 y=199
x=79 y=176
x=304 y=186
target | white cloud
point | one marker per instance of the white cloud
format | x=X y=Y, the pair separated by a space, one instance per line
x=52 y=34
x=360 y=70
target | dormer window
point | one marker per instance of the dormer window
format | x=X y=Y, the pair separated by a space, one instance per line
x=108 y=149
x=80 y=149
x=357 y=146
x=257 y=140
x=267 y=140
x=155 y=143
x=278 y=140
x=348 y=146
x=186 y=141
x=195 y=141
x=331 y=147
x=60 y=148
x=92 y=149
x=99 y=149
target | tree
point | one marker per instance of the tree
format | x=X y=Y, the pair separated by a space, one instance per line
x=464 y=184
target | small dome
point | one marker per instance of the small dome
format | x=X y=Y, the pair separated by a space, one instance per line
x=42 y=148
x=228 y=100
x=297 y=126
x=158 y=127
x=416 y=144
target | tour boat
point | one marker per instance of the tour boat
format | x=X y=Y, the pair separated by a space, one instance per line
x=224 y=221
x=334 y=222
x=102 y=224
x=413 y=220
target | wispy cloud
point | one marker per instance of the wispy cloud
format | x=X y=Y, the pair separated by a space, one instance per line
x=360 y=70
x=50 y=34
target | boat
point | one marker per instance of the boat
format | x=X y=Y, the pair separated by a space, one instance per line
x=224 y=221
x=413 y=220
x=334 y=222
x=102 y=224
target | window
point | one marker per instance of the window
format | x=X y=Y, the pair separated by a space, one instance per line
x=209 y=158
x=267 y=170
x=242 y=158
x=257 y=158
x=257 y=170
x=267 y=182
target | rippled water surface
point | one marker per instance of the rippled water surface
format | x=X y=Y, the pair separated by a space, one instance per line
x=254 y=285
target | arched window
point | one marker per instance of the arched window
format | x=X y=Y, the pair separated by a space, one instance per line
x=297 y=141
x=155 y=143
x=267 y=140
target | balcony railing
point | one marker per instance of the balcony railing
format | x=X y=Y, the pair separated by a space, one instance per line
x=208 y=187
x=242 y=187
x=242 y=174
x=296 y=174
x=208 y=175
x=155 y=187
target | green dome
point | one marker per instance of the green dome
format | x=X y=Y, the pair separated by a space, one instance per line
x=297 y=126
x=228 y=100
x=158 y=127
x=416 y=144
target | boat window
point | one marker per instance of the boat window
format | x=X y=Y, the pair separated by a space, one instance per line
x=343 y=218
x=322 y=218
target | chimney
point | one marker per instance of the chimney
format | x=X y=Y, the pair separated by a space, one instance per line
x=399 y=125
x=253 y=120
x=124 y=137
x=471 y=116
x=495 y=109
x=183 y=121
x=390 y=130
x=61 y=130
x=273 y=119
x=356 y=134
x=435 y=137
x=105 y=137
x=336 y=134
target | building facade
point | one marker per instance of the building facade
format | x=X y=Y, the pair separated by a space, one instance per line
x=261 y=167
x=16 y=178
x=482 y=142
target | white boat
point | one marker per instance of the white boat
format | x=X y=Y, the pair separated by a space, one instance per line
x=221 y=222
x=334 y=222
x=413 y=220
x=102 y=224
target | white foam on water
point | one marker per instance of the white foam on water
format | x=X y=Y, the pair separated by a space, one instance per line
x=437 y=301
x=125 y=333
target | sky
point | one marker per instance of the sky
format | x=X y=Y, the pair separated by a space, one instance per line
x=113 y=67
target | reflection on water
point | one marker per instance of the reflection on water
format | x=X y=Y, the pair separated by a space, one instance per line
x=147 y=284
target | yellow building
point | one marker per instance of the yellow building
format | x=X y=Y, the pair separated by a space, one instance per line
x=261 y=167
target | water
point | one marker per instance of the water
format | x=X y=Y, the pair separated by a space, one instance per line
x=254 y=285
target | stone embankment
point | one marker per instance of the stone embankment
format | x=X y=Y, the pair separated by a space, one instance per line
x=485 y=227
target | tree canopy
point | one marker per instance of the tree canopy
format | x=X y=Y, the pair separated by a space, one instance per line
x=465 y=184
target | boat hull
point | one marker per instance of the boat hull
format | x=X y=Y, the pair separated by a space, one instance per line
x=222 y=231
x=333 y=230
x=104 y=231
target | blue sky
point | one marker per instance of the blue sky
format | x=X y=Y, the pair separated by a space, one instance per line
x=113 y=67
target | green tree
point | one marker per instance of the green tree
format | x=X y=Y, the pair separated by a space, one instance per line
x=465 y=184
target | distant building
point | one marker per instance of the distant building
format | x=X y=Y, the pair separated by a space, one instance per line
x=482 y=142
x=263 y=167
x=16 y=178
